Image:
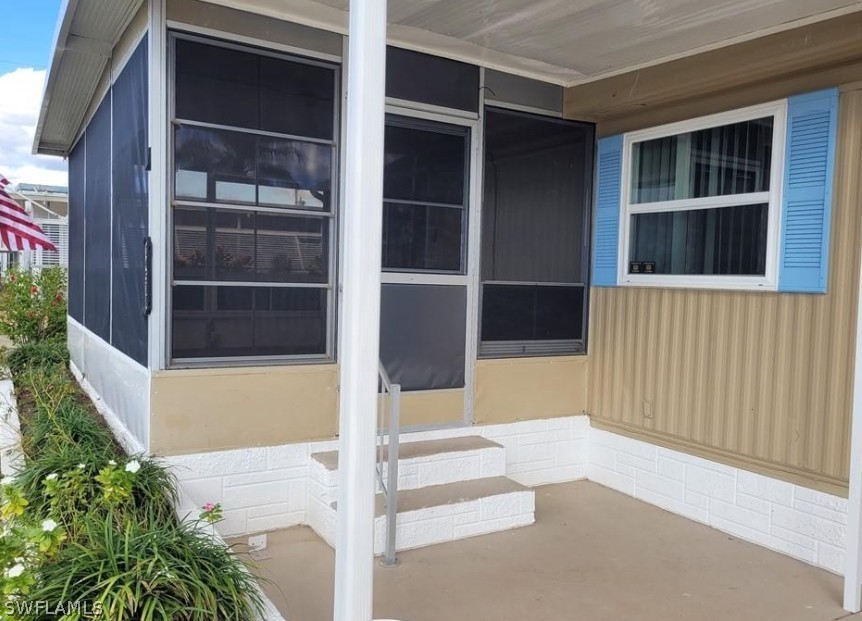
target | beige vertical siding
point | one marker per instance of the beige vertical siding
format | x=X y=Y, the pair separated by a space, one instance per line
x=762 y=379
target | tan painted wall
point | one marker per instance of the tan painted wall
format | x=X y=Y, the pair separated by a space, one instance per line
x=757 y=378
x=199 y=410
x=203 y=410
x=513 y=389
x=432 y=408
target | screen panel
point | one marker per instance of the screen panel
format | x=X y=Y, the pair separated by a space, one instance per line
x=535 y=217
x=97 y=223
x=229 y=321
x=130 y=207
x=77 y=202
x=444 y=82
x=423 y=335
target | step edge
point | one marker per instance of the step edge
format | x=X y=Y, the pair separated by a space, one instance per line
x=324 y=458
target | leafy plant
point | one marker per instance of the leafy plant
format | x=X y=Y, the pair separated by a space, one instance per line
x=83 y=522
x=150 y=570
x=34 y=305
x=37 y=354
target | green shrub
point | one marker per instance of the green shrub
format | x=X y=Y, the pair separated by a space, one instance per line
x=33 y=305
x=37 y=354
x=150 y=570
x=83 y=522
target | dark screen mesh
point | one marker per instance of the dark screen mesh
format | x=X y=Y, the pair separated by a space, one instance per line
x=97 y=223
x=423 y=335
x=129 y=325
x=534 y=223
x=77 y=199
x=414 y=76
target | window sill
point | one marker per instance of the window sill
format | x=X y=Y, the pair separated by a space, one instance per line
x=245 y=363
x=732 y=283
x=530 y=349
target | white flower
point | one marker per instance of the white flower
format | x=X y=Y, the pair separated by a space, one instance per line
x=133 y=466
x=15 y=571
x=111 y=462
x=48 y=525
x=51 y=477
x=81 y=466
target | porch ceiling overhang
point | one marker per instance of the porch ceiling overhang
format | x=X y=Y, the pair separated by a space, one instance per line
x=566 y=42
x=86 y=33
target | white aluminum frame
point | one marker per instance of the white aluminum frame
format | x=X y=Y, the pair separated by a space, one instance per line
x=332 y=287
x=767 y=282
x=469 y=278
x=853 y=558
x=158 y=204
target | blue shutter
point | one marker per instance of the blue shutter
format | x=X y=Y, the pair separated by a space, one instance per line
x=807 y=196
x=607 y=221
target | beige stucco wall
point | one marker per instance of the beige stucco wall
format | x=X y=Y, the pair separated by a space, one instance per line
x=203 y=410
x=513 y=389
x=200 y=410
x=759 y=378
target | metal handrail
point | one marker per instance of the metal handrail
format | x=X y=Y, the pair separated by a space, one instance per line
x=390 y=485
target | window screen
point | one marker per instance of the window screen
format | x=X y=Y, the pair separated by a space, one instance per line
x=425 y=183
x=236 y=88
x=97 y=223
x=77 y=202
x=130 y=213
x=252 y=210
x=414 y=76
x=534 y=248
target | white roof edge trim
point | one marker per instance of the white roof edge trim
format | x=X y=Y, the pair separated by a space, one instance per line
x=61 y=34
x=749 y=36
x=61 y=44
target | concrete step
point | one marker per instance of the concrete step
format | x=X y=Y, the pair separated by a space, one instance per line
x=441 y=513
x=428 y=462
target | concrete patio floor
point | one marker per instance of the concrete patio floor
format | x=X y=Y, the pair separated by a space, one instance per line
x=593 y=555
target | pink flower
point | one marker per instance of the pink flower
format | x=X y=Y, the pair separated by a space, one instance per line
x=208 y=507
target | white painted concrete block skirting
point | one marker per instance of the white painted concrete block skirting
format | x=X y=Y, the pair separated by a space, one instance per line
x=798 y=521
x=268 y=488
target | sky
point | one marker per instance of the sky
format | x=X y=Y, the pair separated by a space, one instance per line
x=25 y=47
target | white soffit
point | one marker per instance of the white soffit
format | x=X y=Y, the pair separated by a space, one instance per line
x=86 y=34
x=567 y=42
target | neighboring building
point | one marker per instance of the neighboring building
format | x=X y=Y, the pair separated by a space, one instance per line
x=49 y=206
x=623 y=241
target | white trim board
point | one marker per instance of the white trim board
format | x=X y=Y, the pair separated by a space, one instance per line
x=798 y=521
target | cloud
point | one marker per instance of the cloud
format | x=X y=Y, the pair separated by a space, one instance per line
x=20 y=98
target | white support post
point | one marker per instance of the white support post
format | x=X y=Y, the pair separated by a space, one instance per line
x=360 y=323
x=158 y=182
x=853 y=560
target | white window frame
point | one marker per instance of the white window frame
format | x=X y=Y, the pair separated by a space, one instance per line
x=767 y=282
